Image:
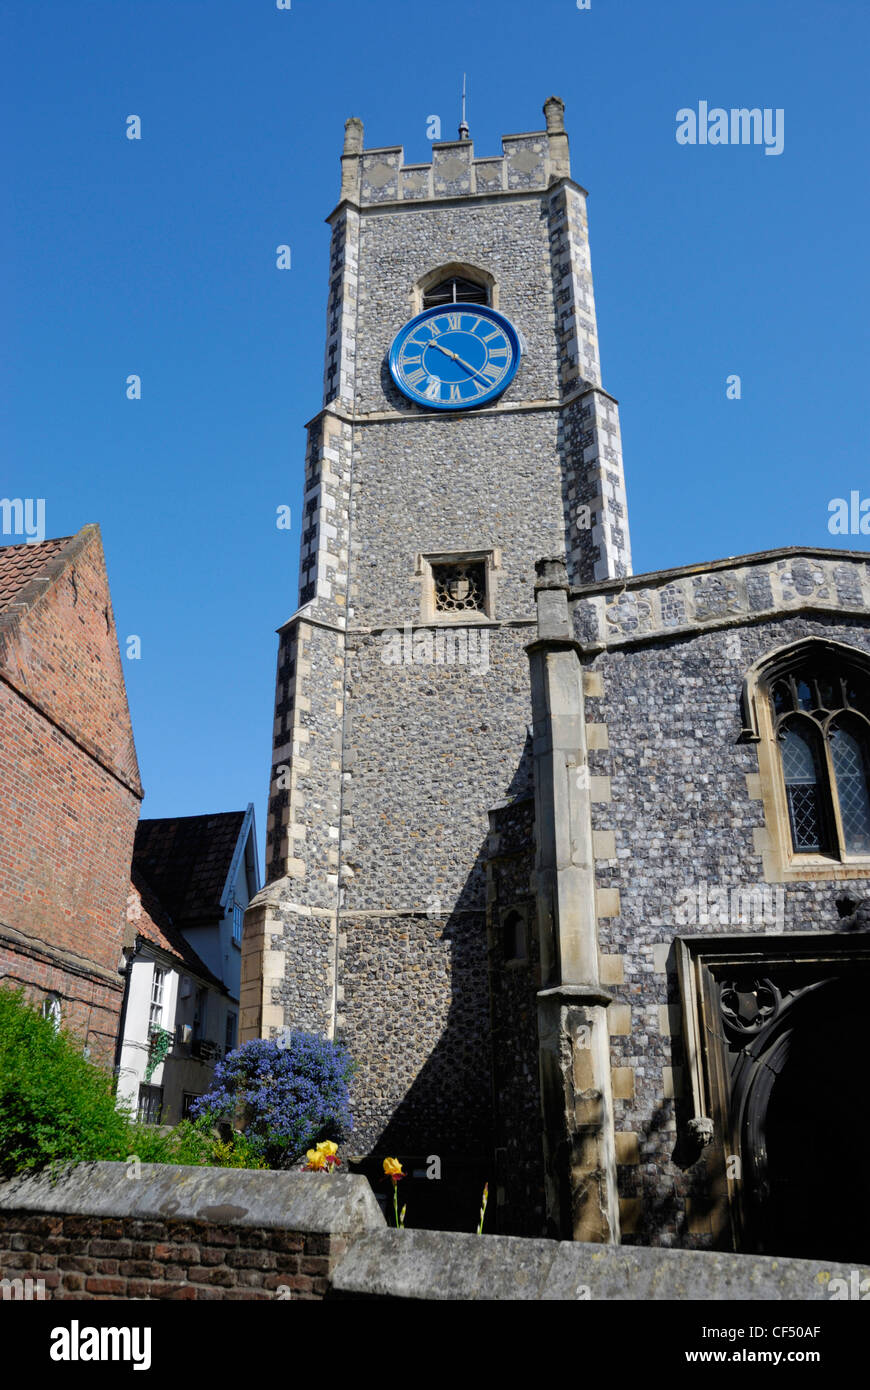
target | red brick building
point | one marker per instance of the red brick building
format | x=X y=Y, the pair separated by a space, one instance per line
x=69 y=785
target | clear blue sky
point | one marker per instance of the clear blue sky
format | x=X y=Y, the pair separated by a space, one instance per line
x=158 y=257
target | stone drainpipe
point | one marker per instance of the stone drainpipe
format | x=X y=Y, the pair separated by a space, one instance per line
x=574 y=1042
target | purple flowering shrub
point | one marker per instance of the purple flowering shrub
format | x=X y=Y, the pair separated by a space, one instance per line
x=290 y=1094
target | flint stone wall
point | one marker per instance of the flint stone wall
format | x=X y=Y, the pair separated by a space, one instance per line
x=675 y=807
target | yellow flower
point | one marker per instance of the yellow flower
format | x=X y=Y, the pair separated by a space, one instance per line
x=316 y=1160
x=327 y=1148
x=393 y=1169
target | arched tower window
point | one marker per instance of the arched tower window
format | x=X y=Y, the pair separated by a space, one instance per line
x=455 y=289
x=456 y=283
x=818 y=713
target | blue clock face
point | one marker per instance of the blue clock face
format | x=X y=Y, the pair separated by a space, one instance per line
x=454 y=357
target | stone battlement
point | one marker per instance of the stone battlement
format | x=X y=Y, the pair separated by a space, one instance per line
x=529 y=162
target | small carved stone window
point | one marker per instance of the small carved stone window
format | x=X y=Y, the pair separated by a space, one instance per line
x=460 y=588
x=824 y=742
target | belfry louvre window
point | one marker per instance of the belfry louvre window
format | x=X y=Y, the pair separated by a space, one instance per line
x=823 y=733
x=455 y=290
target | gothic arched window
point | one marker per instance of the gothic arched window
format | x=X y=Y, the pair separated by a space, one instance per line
x=823 y=735
x=455 y=289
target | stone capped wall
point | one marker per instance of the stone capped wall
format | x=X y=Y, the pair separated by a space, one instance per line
x=190 y=1234
x=332 y=1242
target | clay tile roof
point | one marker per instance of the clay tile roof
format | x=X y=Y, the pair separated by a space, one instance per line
x=186 y=860
x=147 y=916
x=20 y=564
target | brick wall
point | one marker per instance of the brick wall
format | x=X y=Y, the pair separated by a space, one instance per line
x=68 y=837
x=69 y=791
x=59 y=647
x=90 y=1002
x=156 y=1231
x=78 y=1257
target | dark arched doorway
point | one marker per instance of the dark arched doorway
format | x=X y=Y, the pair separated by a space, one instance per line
x=801 y=1109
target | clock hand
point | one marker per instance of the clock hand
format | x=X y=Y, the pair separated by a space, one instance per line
x=456 y=358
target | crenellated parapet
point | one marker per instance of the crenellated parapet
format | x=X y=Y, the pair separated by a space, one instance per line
x=528 y=162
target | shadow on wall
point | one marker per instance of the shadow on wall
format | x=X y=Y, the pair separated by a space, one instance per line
x=463 y=1119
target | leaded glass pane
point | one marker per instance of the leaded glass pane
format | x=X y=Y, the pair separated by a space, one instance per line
x=804 y=695
x=850 y=771
x=800 y=769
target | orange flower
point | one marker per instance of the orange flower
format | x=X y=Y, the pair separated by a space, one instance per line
x=393 y=1169
x=325 y=1155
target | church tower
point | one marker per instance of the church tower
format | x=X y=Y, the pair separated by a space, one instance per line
x=402 y=705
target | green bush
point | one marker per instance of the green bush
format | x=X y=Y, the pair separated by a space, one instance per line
x=54 y=1105
x=192 y=1142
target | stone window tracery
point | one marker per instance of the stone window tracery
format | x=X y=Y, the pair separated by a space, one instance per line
x=806 y=708
x=460 y=588
x=824 y=743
